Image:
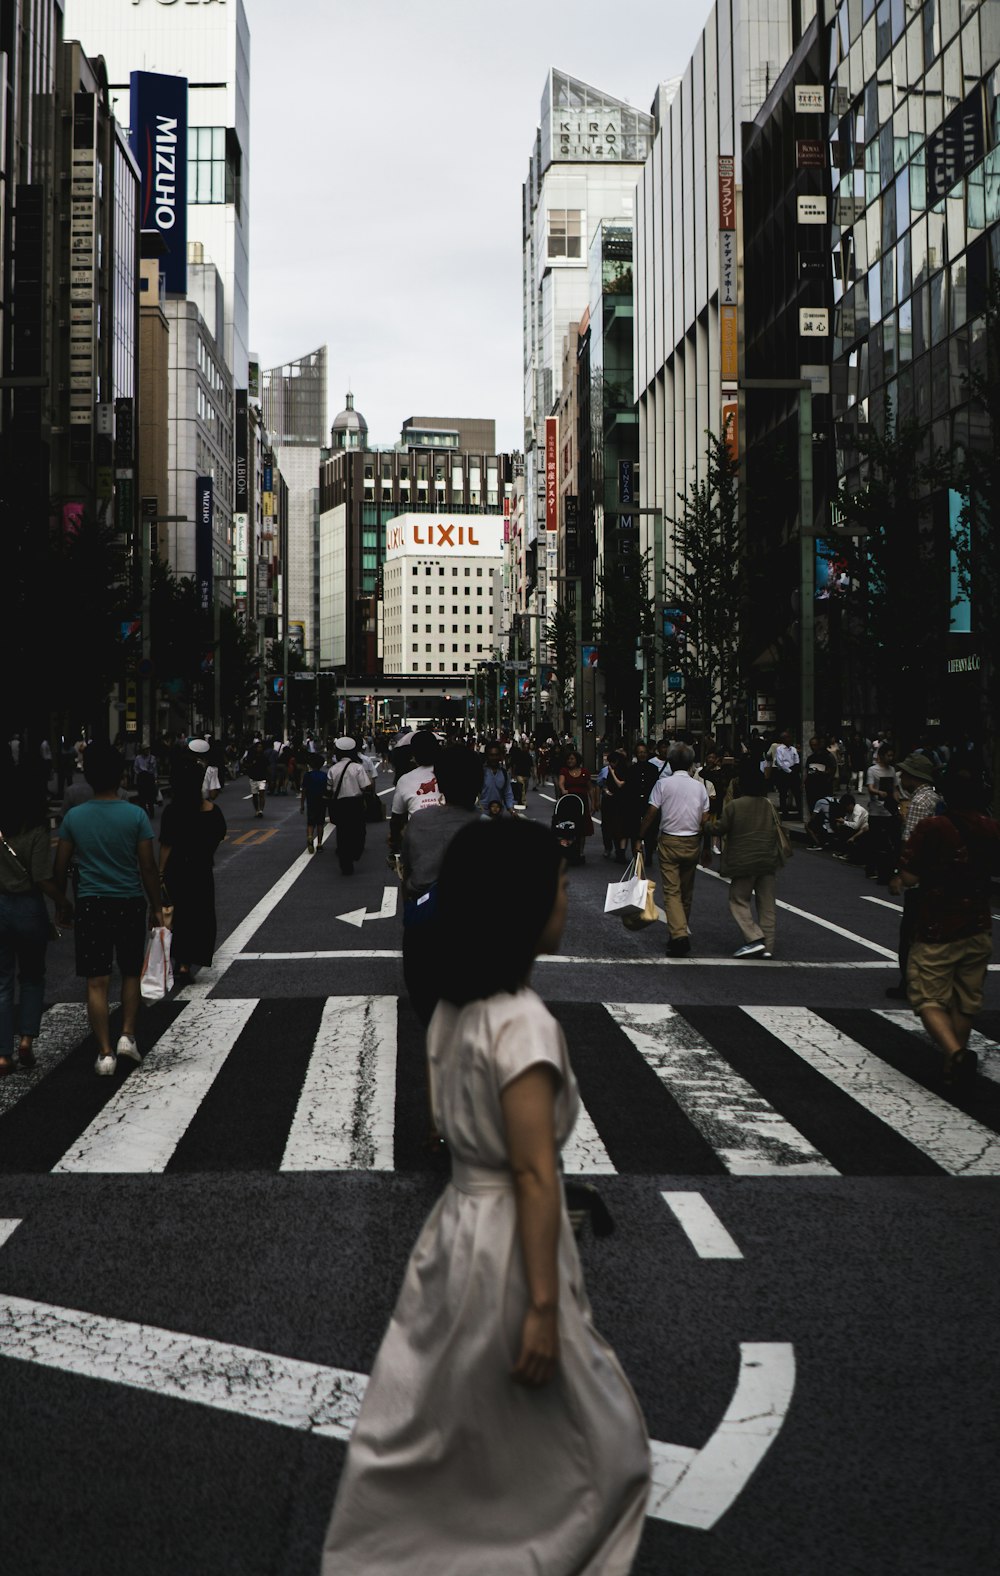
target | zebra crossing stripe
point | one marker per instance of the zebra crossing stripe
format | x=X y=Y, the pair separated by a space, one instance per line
x=749 y=1136
x=64 y=1025
x=957 y=1143
x=988 y=1051
x=140 y=1127
x=584 y=1153
x=344 y=1120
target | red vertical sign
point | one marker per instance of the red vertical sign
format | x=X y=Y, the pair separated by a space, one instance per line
x=727 y=192
x=551 y=474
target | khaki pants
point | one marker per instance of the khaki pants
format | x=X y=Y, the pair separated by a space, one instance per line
x=678 y=862
x=761 y=928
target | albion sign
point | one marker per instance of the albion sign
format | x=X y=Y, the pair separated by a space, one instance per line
x=476 y=536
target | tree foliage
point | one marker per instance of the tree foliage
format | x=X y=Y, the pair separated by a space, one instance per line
x=624 y=623
x=702 y=583
x=560 y=638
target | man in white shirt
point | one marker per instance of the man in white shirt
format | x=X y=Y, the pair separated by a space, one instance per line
x=785 y=761
x=349 y=782
x=681 y=803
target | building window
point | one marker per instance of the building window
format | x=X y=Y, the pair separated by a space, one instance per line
x=427 y=648
x=468 y=630
x=415 y=629
x=565 y=232
x=454 y=629
x=454 y=570
x=454 y=648
x=468 y=571
x=440 y=667
x=479 y=572
x=427 y=629
x=207 y=164
x=465 y=648
x=440 y=649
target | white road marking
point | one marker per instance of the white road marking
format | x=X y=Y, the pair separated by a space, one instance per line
x=882 y=902
x=691 y=1488
x=383 y=791
x=701 y=1225
x=357 y=916
x=749 y=1136
x=558 y=957
x=234 y=943
x=827 y=924
x=957 y=1143
x=141 y=1126
x=584 y=1151
x=345 y=1116
x=988 y=1051
x=64 y=1025
x=7 y=1230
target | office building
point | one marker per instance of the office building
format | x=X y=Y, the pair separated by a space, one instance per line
x=209 y=45
x=362 y=493
x=441 y=592
x=294 y=408
x=588 y=153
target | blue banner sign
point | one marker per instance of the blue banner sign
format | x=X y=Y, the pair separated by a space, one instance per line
x=203 y=541
x=158 y=108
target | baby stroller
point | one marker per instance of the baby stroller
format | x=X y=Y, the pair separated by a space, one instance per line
x=568 y=821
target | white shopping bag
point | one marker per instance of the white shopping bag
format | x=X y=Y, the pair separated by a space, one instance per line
x=627 y=896
x=157 y=969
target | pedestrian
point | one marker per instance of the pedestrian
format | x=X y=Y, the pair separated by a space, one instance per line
x=573 y=777
x=256 y=766
x=191 y=829
x=822 y=772
x=615 y=805
x=312 y=801
x=496 y=788
x=425 y=840
x=751 y=858
x=640 y=780
x=949 y=861
x=680 y=804
x=416 y=789
x=882 y=844
x=145 y=768
x=521 y=765
x=787 y=773
x=25 y=874
x=921 y=799
x=498 y=1432
x=111 y=842
x=348 y=785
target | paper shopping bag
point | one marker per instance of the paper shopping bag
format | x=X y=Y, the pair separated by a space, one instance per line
x=627 y=896
x=157 y=969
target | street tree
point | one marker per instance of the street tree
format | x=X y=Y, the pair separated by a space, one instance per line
x=560 y=639
x=887 y=560
x=702 y=587
x=624 y=625
x=976 y=542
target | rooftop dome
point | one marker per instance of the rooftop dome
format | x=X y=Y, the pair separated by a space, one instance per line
x=349 y=430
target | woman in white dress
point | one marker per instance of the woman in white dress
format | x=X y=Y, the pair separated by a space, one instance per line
x=498 y=1433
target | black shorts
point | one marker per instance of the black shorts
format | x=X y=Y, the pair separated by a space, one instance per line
x=105 y=927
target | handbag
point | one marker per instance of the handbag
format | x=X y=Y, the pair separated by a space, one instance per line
x=374 y=808
x=784 y=843
x=628 y=896
x=157 y=978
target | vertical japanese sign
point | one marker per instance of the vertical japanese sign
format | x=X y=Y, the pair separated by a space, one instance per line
x=728 y=332
x=729 y=356
x=551 y=474
x=203 y=541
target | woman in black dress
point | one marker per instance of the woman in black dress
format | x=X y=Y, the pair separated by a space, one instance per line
x=191 y=829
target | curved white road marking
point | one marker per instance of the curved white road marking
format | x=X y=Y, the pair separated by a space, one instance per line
x=692 y=1488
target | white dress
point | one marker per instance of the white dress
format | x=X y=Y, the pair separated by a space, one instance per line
x=453 y=1469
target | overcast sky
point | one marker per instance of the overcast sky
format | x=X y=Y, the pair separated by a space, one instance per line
x=389 y=142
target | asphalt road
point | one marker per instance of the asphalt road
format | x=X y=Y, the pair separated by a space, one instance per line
x=192 y=1268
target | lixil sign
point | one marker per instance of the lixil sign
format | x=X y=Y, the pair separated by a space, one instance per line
x=451 y=536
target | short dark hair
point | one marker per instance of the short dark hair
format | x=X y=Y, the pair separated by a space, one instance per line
x=488 y=946
x=425 y=747
x=751 y=780
x=103 y=767
x=459 y=776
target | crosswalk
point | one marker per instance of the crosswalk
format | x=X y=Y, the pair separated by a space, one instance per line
x=338 y=1085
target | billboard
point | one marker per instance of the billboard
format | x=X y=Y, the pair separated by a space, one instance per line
x=241 y=503
x=158 y=108
x=203 y=541
x=444 y=536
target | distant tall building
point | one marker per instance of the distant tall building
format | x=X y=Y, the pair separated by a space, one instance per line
x=588 y=154
x=294 y=406
x=210 y=46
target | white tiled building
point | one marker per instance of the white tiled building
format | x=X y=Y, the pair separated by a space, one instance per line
x=441 y=592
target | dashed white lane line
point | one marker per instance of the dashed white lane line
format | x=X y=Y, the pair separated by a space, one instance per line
x=701 y=1225
x=882 y=902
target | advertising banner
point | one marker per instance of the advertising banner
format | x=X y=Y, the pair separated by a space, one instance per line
x=158 y=109
x=241 y=502
x=729 y=349
x=727 y=192
x=731 y=429
x=551 y=474
x=203 y=541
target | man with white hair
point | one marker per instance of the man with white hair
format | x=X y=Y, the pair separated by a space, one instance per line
x=681 y=804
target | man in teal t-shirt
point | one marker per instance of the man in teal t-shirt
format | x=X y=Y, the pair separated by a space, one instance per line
x=111 y=842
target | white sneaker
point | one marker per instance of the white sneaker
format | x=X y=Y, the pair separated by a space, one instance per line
x=753 y=949
x=127 y=1047
x=105 y=1066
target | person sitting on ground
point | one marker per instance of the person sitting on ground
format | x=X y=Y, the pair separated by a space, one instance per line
x=849 y=823
x=819 y=827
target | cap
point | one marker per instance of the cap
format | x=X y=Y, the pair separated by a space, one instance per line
x=198 y=746
x=345 y=745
